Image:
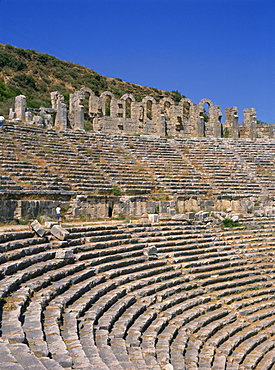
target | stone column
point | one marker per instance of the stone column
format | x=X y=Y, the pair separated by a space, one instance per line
x=76 y=111
x=253 y=124
x=59 y=106
x=250 y=122
x=61 y=116
x=235 y=127
x=200 y=127
x=20 y=107
x=163 y=126
x=215 y=120
x=79 y=117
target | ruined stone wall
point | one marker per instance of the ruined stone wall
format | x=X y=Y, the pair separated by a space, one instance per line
x=127 y=116
x=164 y=118
x=103 y=207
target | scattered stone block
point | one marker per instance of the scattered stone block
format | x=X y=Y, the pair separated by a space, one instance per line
x=153 y=217
x=150 y=251
x=235 y=218
x=38 y=228
x=49 y=224
x=168 y=367
x=64 y=254
x=190 y=215
x=201 y=215
x=259 y=213
x=60 y=233
x=173 y=212
x=269 y=211
x=179 y=217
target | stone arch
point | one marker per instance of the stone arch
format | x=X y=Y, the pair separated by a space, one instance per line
x=87 y=90
x=149 y=101
x=187 y=105
x=153 y=100
x=107 y=98
x=91 y=94
x=165 y=106
x=207 y=101
x=128 y=98
x=107 y=93
x=186 y=100
x=205 y=106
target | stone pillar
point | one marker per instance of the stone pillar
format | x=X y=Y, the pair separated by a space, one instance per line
x=12 y=114
x=163 y=126
x=58 y=104
x=200 y=127
x=61 y=116
x=28 y=116
x=250 y=122
x=76 y=111
x=253 y=125
x=79 y=117
x=215 y=115
x=20 y=107
x=235 y=127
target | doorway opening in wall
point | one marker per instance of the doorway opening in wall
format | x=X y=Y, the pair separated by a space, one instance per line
x=108 y=106
x=149 y=114
x=88 y=125
x=110 y=210
x=128 y=108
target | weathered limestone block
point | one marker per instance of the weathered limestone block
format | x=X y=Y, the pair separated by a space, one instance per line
x=20 y=107
x=178 y=217
x=12 y=114
x=201 y=216
x=153 y=217
x=234 y=218
x=38 y=228
x=270 y=211
x=49 y=224
x=64 y=254
x=149 y=251
x=60 y=233
x=190 y=215
x=168 y=367
x=28 y=116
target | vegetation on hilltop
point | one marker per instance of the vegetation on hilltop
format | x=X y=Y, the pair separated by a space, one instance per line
x=35 y=75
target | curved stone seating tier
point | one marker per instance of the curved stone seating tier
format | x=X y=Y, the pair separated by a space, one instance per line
x=85 y=163
x=139 y=296
x=212 y=157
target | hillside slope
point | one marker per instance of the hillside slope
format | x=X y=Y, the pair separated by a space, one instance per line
x=35 y=75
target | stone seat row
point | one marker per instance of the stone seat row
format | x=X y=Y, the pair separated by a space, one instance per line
x=102 y=351
x=166 y=150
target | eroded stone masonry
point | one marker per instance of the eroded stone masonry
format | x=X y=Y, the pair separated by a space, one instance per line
x=127 y=116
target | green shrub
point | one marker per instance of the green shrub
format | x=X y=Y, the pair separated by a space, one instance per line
x=10 y=61
x=225 y=133
x=227 y=222
x=116 y=190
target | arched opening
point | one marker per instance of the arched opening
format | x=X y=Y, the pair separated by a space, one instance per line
x=149 y=113
x=88 y=126
x=108 y=106
x=110 y=210
x=206 y=112
x=128 y=103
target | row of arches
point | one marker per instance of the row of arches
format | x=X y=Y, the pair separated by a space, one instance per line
x=147 y=107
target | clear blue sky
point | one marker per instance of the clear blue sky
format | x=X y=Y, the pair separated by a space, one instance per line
x=223 y=50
